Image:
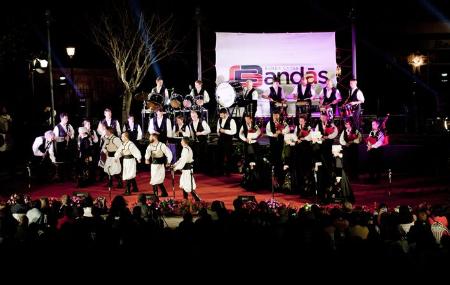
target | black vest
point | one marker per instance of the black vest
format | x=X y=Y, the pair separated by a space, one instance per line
x=199 y=129
x=162 y=91
x=226 y=126
x=133 y=133
x=43 y=146
x=162 y=130
x=273 y=128
x=245 y=129
x=62 y=132
x=307 y=94
x=202 y=91
x=332 y=97
x=112 y=125
x=353 y=96
x=276 y=96
x=177 y=128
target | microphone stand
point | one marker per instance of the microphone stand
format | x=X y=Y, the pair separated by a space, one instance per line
x=273 y=182
x=29 y=176
x=109 y=183
x=390 y=182
x=172 y=173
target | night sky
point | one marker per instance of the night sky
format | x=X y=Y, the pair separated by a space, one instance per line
x=387 y=32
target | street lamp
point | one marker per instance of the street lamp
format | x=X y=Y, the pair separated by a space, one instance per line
x=70 y=50
x=416 y=60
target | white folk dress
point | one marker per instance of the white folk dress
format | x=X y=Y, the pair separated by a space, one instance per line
x=112 y=166
x=129 y=164
x=187 y=181
x=157 y=171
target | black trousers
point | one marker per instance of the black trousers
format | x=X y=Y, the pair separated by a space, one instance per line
x=375 y=163
x=351 y=160
x=225 y=153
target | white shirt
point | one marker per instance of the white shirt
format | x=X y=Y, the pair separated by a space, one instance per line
x=51 y=150
x=342 y=139
x=272 y=133
x=205 y=95
x=233 y=129
x=206 y=128
x=157 y=151
x=254 y=93
x=251 y=136
x=151 y=128
x=186 y=133
x=186 y=157
x=139 y=134
x=333 y=134
x=329 y=91
x=302 y=89
x=108 y=123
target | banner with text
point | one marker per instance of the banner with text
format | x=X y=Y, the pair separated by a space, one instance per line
x=288 y=56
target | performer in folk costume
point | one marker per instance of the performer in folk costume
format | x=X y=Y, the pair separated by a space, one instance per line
x=250 y=99
x=226 y=128
x=112 y=166
x=44 y=156
x=303 y=157
x=350 y=139
x=134 y=129
x=65 y=146
x=85 y=173
x=275 y=94
x=375 y=143
x=160 y=125
x=275 y=130
x=355 y=100
x=199 y=130
x=304 y=92
x=108 y=121
x=329 y=98
x=130 y=153
x=180 y=130
x=200 y=95
x=101 y=129
x=288 y=158
x=249 y=134
x=158 y=154
x=161 y=90
x=185 y=164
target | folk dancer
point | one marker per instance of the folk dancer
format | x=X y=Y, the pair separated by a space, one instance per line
x=185 y=164
x=275 y=130
x=350 y=139
x=112 y=167
x=130 y=153
x=375 y=143
x=158 y=154
x=108 y=121
x=160 y=125
x=226 y=129
x=249 y=134
x=199 y=130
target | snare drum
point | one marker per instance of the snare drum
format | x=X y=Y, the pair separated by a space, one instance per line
x=176 y=101
x=188 y=101
x=154 y=101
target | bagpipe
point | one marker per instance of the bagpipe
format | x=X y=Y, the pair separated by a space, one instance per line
x=371 y=140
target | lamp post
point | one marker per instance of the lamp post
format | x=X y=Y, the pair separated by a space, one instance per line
x=71 y=52
x=50 y=71
x=416 y=60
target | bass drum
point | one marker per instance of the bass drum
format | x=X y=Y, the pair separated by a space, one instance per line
x=228 y=93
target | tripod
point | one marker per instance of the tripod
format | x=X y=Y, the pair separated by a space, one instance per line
x=109 y=183
x=172 y=174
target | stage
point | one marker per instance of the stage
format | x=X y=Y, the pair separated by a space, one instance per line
x=411 y=190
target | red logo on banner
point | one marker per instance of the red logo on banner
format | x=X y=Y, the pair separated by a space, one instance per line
x=243 y=73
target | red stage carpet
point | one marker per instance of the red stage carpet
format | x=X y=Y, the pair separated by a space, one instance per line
x=404 y=190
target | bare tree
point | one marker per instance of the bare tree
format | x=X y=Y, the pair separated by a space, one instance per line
x=133 y=44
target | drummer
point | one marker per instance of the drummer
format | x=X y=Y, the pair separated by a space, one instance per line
x=200 y=95
x=329 y=98
x=161 y=90
x=304 y=93
x=275 y=94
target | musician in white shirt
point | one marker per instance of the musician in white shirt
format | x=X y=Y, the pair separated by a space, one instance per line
x=43 y=146
x=199 y=130
x=355 y=99
x=161 y=90
x=226 y=129
x=200 y=95
x=160 y=125
x=249 y=134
